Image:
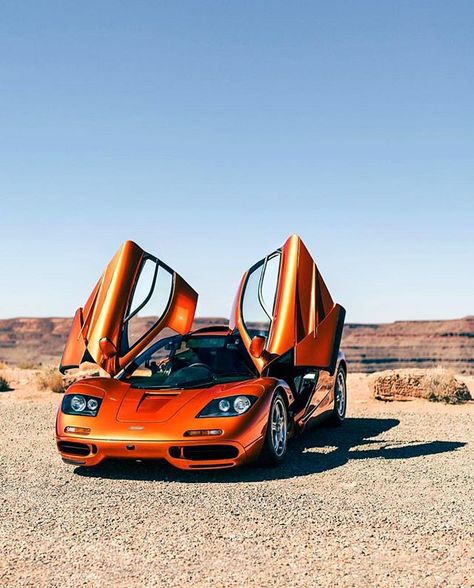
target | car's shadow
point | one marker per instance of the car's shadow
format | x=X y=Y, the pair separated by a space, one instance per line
x=317 y=450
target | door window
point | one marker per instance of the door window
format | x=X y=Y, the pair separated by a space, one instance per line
x=150 y=300
x=258 y=299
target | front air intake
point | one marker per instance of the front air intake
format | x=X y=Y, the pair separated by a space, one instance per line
x=73 y=448
x=209 y=452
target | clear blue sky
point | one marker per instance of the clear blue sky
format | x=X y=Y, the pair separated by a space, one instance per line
x=208 y=131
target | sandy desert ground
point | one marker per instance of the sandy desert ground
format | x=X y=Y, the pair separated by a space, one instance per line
x=384 y=501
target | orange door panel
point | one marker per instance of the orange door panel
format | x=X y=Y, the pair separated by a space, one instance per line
x=111 y=329
x=284 y=299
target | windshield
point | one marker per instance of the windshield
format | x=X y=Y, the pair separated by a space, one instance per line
x=191 y=361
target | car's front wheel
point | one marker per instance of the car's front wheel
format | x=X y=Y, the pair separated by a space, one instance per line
x=276 y=437
x=340 y=399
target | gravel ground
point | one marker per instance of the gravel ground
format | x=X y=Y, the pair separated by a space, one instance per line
x=383 y=501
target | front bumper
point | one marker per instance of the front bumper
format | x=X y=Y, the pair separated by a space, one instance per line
x=207 y=453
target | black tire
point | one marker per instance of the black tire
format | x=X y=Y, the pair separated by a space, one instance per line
x=276 y=437
x=340 y=399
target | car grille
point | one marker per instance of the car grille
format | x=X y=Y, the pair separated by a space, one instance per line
x=76 y=448
x=204 y=452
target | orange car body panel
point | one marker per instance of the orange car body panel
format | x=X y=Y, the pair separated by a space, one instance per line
x=305 y=318
x=98 y=327
x=153 y=430
x=139 y=423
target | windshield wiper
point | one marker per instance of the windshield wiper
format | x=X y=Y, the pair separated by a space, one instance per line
x=222 y=380
x=200 y=384
x=156 y=387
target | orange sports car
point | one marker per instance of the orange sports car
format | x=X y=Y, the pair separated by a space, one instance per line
x=212 y=398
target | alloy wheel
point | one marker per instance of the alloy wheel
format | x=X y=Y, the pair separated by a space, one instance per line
x=279 y=425
x=340 y=394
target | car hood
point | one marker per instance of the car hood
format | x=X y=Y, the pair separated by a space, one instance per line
x=143 y=405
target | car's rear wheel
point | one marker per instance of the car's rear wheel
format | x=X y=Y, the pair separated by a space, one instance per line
x=340 y=399
x=276 y=437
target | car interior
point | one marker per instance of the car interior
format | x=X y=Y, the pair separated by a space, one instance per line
x=301 y=380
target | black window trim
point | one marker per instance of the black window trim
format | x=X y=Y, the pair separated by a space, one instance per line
x=253 y=268
x=125 y=344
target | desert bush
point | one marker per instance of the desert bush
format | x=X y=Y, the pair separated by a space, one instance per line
x=50 y=379
x=438 y=385
x=80 y=374
x=3 y=365
x=27 y=365
x=4 y=384
x=442 y=386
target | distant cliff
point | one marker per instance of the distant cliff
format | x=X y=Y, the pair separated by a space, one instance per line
x=423 y=344
x=368 y=347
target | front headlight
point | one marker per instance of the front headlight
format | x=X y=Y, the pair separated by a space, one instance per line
x=80 y=404
x=229 y=406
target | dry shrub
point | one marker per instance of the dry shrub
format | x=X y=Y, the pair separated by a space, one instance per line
x=27 y=365
x=442 y=386
x=3 y=366
x=4 y=384
x=438 y=385
x=76 y=375
x=51 y=379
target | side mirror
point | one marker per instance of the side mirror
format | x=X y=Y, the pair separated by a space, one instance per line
x=107 y=347
x=257 y=346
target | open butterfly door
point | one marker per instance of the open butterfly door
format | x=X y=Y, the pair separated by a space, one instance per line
x=136 y=298
x=283 y=304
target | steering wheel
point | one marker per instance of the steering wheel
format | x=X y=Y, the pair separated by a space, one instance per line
x=202 y=365
x=199 y=364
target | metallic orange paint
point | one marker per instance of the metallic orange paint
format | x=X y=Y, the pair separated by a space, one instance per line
x=153 y=423
x=98 y=327
x=305 y=316
x=148 y=423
